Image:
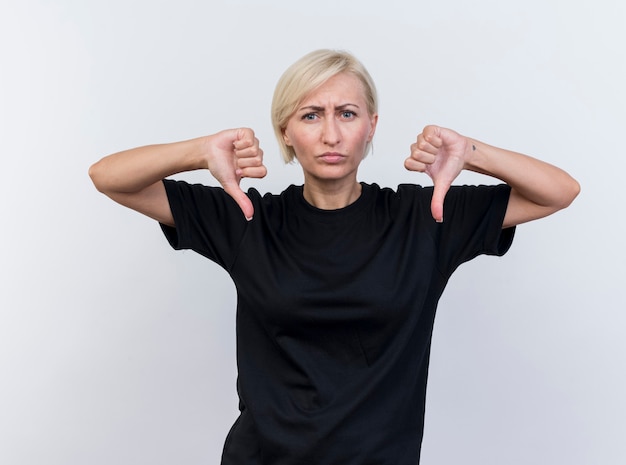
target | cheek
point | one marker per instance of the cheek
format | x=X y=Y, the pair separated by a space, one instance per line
x=298 y=138
x=365 y=135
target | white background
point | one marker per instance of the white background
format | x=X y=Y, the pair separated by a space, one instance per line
x=114 y=349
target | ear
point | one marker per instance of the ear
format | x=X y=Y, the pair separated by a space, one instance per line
x=286 y=137
x=374 y=119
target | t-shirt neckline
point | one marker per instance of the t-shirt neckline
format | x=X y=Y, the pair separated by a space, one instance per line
x=344 y=213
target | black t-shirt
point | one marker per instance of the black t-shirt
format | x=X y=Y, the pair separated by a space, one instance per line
x=335 y=312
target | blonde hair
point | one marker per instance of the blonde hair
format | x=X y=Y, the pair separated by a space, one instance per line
x=306 y=75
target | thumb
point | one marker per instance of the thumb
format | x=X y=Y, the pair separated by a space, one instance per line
x=436 y=205
x=241 y=198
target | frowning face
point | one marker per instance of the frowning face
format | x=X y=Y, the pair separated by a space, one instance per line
x=330 y=130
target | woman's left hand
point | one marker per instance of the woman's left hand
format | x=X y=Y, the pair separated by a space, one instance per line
x=538 y=188
x=442 y=154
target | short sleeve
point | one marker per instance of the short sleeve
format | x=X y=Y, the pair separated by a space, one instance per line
x=473 y=218
x=207 y=220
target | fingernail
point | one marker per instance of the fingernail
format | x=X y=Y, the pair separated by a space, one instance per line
x=249 y=218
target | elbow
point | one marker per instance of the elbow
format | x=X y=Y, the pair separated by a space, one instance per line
x=571 y=192
x=93 y=175
x=568 y=192
x=97 y=176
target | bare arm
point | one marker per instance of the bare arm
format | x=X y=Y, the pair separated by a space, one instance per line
x=538 y=188
x=134 y=177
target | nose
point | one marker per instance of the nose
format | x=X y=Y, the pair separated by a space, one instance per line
x=331 y=133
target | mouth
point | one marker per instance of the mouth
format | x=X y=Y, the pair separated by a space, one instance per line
x=332 y=157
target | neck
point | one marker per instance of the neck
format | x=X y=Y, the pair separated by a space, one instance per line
x=331 y=196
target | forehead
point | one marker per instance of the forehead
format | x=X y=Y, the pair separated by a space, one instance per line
x=340 y=89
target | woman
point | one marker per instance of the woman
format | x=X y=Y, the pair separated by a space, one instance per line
x=337 y=281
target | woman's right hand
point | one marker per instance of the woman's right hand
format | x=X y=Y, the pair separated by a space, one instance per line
x=234 y=154
x=134 y=177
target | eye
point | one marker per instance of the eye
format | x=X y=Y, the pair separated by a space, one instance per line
x=347 y=114
x=309 y=117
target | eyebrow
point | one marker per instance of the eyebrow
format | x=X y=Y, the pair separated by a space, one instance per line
x=318 y=108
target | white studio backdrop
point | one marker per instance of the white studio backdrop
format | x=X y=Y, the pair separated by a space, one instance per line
x=114 y=349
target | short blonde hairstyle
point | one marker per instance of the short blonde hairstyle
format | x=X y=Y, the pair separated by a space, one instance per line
x=306 y=75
